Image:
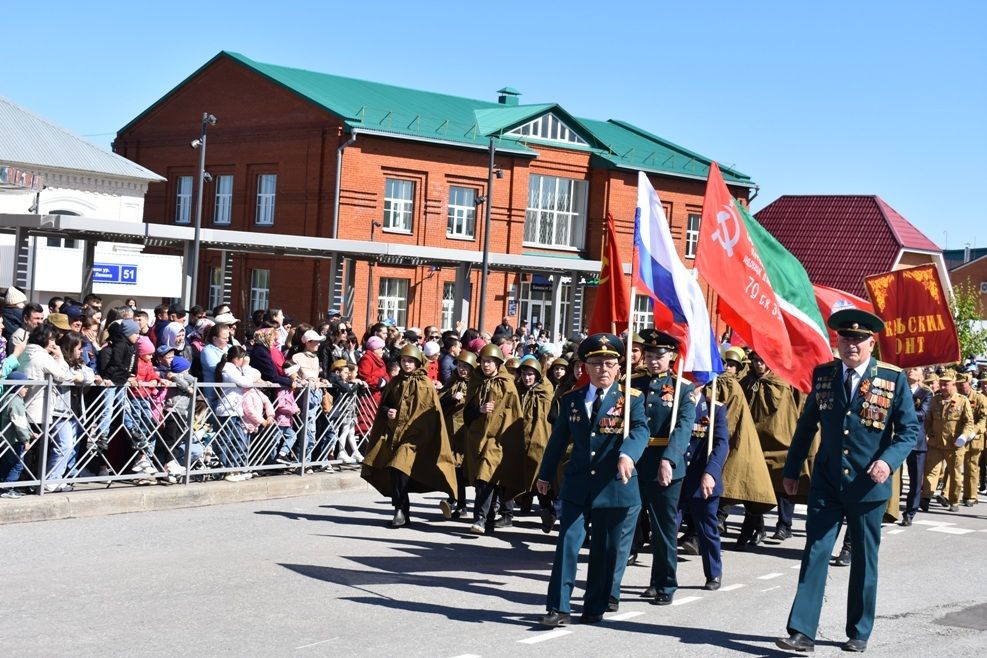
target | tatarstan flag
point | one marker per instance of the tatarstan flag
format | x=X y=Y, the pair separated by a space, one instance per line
x=612 y=306
x=764 y=292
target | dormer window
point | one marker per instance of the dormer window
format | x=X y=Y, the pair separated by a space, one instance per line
x=548 y=127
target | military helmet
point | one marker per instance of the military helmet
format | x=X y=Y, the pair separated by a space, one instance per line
x=532 y=363
x=468 y=358
x=735 y=354
x=491 y=351
x=560 y=362
x=414 y=352
x=512 y=363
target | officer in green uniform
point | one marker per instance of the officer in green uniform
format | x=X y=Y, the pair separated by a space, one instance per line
x=864 y=412
x=663 y=464
x=600 y=481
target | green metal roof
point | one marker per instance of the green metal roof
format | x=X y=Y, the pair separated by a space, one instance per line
x=411 y=113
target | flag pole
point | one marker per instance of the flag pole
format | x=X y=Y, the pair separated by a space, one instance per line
x=627 y=364
x=678 y=390
x=712 y=419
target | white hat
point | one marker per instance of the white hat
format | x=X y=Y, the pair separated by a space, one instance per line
x=226 y=318
x=15 y=296
x=311 y=334
x=431 y=349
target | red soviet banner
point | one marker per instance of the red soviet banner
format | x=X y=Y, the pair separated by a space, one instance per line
x=919 y=328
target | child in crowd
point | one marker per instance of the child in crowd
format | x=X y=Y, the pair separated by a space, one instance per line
x=342 y=416
x=285 y=410
x=16 y=434
x=258 y=413
x=232 y=446
x=143 y=434
x=176 y=417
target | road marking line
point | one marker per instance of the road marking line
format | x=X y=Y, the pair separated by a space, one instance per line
x=769 y=576
x=896 y=531
x=730 y=588
x=623 y=616
x=542 y=637
x=934 y=523
x=306 y=646
x=771 y=588
x=951 y=531
x=686 y=599
x=467 y=655
x=795 y=566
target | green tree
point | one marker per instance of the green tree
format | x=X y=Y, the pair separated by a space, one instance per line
x=968 y=312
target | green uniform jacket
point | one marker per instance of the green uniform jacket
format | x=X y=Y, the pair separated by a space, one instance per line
x=414 y=442
x=658 y=392
x=878 y=423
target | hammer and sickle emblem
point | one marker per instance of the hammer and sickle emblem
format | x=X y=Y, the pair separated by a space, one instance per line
x=722 y=234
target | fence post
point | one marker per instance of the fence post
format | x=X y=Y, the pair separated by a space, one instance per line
x=304 y=409
x=45 y=429
x=191 y=432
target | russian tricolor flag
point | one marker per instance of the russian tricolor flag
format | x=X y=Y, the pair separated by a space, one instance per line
x=680 y=308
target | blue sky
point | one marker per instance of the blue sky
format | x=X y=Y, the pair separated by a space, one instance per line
x=832 y=97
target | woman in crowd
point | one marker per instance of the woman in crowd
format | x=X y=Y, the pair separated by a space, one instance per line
x=409 y=448
x=229 y=413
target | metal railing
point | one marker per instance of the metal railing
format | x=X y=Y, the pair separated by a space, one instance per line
x=105 y=435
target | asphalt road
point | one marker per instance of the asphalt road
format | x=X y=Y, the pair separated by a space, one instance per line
x=321 y=575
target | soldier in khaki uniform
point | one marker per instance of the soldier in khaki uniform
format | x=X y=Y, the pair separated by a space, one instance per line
x=949 y=426
x=975 y=446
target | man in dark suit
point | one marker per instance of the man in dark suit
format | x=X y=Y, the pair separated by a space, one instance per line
x=865 y=415
x=922 y=398
x=663 y=464
x=703 y=484
x=600 y=482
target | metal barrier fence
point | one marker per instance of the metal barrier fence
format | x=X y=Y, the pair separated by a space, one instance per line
x=54 y=436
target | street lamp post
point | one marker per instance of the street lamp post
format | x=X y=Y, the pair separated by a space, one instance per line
x=200 y=143
x=485 y=267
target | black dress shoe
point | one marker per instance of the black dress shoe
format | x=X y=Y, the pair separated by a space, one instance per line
x=663 y=599
x=555 y=618
x=759 y=537
x=632 y=558
x=856 y=646
x=613 y=605
x=782 y=533
x=712 y=584
x=547 y=521
x=924 y=505
x=399 y=519
x=906 y=521
x=796 y=642
x=941 y=500
x=843 y=559
x=586 y=618
x=650 y=593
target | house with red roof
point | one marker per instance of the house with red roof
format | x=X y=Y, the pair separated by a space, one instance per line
x=842 y=238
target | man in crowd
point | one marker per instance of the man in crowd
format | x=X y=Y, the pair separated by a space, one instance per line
x=922 y=399
x=33 y=316
x=863 y=410
x=949 y=425
x=975 y=444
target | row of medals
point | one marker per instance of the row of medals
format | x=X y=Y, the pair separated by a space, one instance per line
x=877 y=393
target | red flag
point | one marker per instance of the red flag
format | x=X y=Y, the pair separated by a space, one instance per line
x=831 y=300
x=612 y=306
x=727 y=258
x=918 y=326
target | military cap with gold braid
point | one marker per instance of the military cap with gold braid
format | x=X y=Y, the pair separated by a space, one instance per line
x=411 y=351
x=601 y=345
x=658 y=341
x=855 y=322
x=491 y=351
x=467 y=357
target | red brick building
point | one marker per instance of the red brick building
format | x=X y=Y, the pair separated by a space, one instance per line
x=412 y=169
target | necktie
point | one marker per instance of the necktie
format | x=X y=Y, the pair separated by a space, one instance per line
x=848 y=384
x=598 y=402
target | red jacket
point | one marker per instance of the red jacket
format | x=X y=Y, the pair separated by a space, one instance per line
x=145 y=373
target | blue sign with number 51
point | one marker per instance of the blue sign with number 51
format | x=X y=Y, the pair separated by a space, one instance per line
x=114 y=273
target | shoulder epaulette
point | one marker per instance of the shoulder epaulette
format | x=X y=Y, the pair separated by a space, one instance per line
x=633 y=392
x=892 y=368
x=579 y=389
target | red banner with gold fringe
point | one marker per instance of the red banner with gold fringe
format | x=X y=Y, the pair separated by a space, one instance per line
x=919 y=328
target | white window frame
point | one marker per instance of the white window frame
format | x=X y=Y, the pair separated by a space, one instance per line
x=692 y=234
x=260 y=289
x=183 y=200
x=216 y=286
x=392 y=300
x=223 y=211
x=643 y=316
x=267 y=186
x=556 y=213
x=399 y=205
x=550 y=128
x=462 y=213
x=448 y=304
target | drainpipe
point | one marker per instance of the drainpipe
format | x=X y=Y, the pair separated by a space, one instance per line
x=339 y=177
